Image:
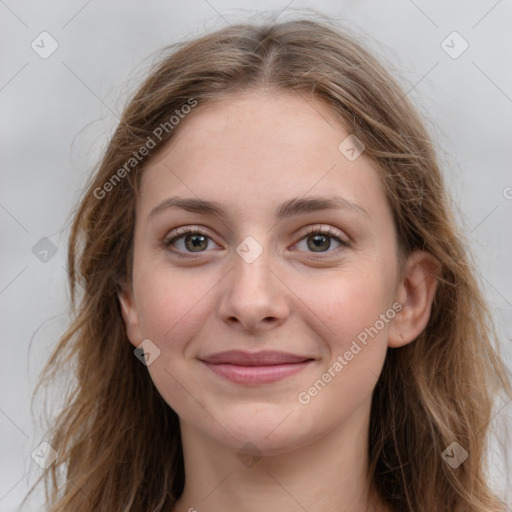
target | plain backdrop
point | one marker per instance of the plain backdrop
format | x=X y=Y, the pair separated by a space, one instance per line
x=58 y=110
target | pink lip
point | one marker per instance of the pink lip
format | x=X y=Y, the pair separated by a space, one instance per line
x=258 y=368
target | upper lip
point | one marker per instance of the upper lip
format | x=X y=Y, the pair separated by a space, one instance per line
x=264 y=358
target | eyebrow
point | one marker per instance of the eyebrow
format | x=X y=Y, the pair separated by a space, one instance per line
x=290 y=208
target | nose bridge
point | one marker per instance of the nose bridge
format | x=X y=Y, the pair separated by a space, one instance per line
x=252 y=276
x=253 y=295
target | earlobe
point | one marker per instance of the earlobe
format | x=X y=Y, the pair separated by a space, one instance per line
x=416 y=294
x=129 y=314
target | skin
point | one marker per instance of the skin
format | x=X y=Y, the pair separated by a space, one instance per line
x=250 y=153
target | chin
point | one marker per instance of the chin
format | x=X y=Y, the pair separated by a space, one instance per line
x=272 y=428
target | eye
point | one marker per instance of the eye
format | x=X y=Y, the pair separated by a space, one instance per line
x=188 y=240
x=319 y=239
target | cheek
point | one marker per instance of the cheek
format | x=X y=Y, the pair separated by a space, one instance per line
x=173 y=307
x=171 y=302
x=357 y=314
x=350 y=303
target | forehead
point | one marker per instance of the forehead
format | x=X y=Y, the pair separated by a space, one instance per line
x=254 y=149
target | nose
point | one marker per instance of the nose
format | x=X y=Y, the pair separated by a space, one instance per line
x=254 y=298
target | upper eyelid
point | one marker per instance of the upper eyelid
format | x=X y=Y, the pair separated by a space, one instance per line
x=325 y=229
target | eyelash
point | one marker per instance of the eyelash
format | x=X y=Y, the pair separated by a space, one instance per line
x=317 y=230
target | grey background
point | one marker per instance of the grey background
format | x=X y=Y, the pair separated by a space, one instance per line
x=58 y=112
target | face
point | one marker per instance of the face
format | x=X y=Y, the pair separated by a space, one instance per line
x=272 y=319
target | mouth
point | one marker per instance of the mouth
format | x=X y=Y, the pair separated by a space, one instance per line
x=256 y=368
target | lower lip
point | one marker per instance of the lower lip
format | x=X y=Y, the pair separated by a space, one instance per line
x=257 y=374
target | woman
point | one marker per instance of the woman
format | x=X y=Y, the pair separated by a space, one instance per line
x=277 y=308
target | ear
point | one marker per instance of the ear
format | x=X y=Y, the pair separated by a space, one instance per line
x=130 y=314
x=416 y=293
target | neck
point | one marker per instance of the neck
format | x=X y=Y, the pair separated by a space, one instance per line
x=327 y=475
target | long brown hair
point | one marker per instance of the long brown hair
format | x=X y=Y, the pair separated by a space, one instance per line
x=118 y=442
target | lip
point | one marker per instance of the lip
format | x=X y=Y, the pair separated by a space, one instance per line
x=256 y=368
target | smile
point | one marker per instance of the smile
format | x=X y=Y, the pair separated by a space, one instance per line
x=258 y=368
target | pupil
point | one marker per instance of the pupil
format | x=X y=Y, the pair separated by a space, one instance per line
x=197 y=240
x=317 y=241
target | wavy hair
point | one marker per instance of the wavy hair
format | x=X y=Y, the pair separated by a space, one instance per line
x=119 y=443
